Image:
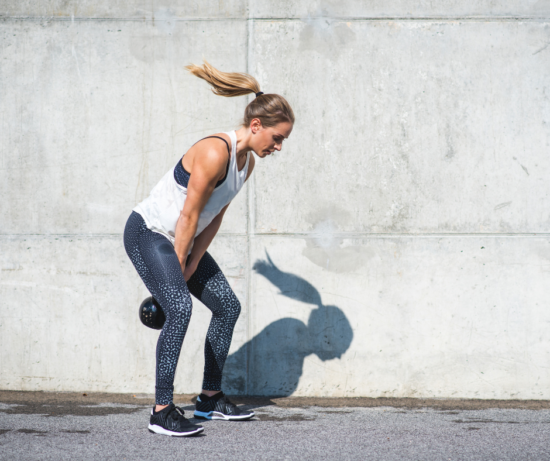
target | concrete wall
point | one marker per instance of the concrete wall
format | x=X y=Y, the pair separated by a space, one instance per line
x=399 y=244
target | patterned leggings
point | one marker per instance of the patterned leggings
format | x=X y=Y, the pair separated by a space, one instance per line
x=158 y=266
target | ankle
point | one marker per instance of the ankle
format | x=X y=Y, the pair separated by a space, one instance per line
x=159 y=408
x=209 y=393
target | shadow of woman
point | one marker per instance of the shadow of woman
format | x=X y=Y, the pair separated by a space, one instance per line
x=275 y=356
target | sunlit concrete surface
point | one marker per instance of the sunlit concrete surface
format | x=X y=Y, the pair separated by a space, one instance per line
x=398 y=246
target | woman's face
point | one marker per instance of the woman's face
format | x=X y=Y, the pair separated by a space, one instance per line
x=269 y=139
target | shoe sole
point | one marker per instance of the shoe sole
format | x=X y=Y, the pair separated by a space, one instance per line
x=160 y=430
x=220 y=416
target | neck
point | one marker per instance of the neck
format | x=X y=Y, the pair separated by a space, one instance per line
x=243 y=141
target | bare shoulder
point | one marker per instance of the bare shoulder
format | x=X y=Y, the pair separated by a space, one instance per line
x=209 y=152
x=214 y=141
x=211 y=155
x=251 y=164
x=223 y=136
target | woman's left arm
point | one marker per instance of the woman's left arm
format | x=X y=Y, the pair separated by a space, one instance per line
x=204 y=239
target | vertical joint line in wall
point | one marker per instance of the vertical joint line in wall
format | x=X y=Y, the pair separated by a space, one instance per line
x=250 y=221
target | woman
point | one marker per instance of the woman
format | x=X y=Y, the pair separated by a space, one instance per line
x=167 y=235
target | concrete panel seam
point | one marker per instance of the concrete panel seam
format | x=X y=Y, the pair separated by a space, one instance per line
x=309 y=234
x=403 y=234
x=251 y=222
x=309 y=18
x=411 y=19
x=82 y=19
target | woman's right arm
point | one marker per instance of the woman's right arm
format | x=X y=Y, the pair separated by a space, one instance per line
x=208 y=166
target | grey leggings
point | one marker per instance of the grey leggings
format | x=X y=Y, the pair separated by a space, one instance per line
x=158 y=266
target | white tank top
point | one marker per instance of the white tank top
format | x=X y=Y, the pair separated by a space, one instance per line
x=161 y=210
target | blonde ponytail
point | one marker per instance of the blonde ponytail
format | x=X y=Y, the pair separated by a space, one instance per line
x=270 y=109
x=226 y=84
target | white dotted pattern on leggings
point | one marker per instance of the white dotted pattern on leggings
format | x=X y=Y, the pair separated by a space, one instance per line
x=157 y=264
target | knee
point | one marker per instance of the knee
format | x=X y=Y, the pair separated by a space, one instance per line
x=230 y=307
x=235 y=307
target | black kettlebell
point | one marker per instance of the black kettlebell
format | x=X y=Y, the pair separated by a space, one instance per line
x=150 y=313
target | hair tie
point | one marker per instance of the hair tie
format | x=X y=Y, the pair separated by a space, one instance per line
x=259 y=93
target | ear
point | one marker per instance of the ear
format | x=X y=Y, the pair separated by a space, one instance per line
x=255 y=125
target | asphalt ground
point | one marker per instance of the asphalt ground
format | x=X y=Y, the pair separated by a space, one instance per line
x=59 y=426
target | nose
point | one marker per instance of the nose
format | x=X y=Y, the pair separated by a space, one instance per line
x=278 y=147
